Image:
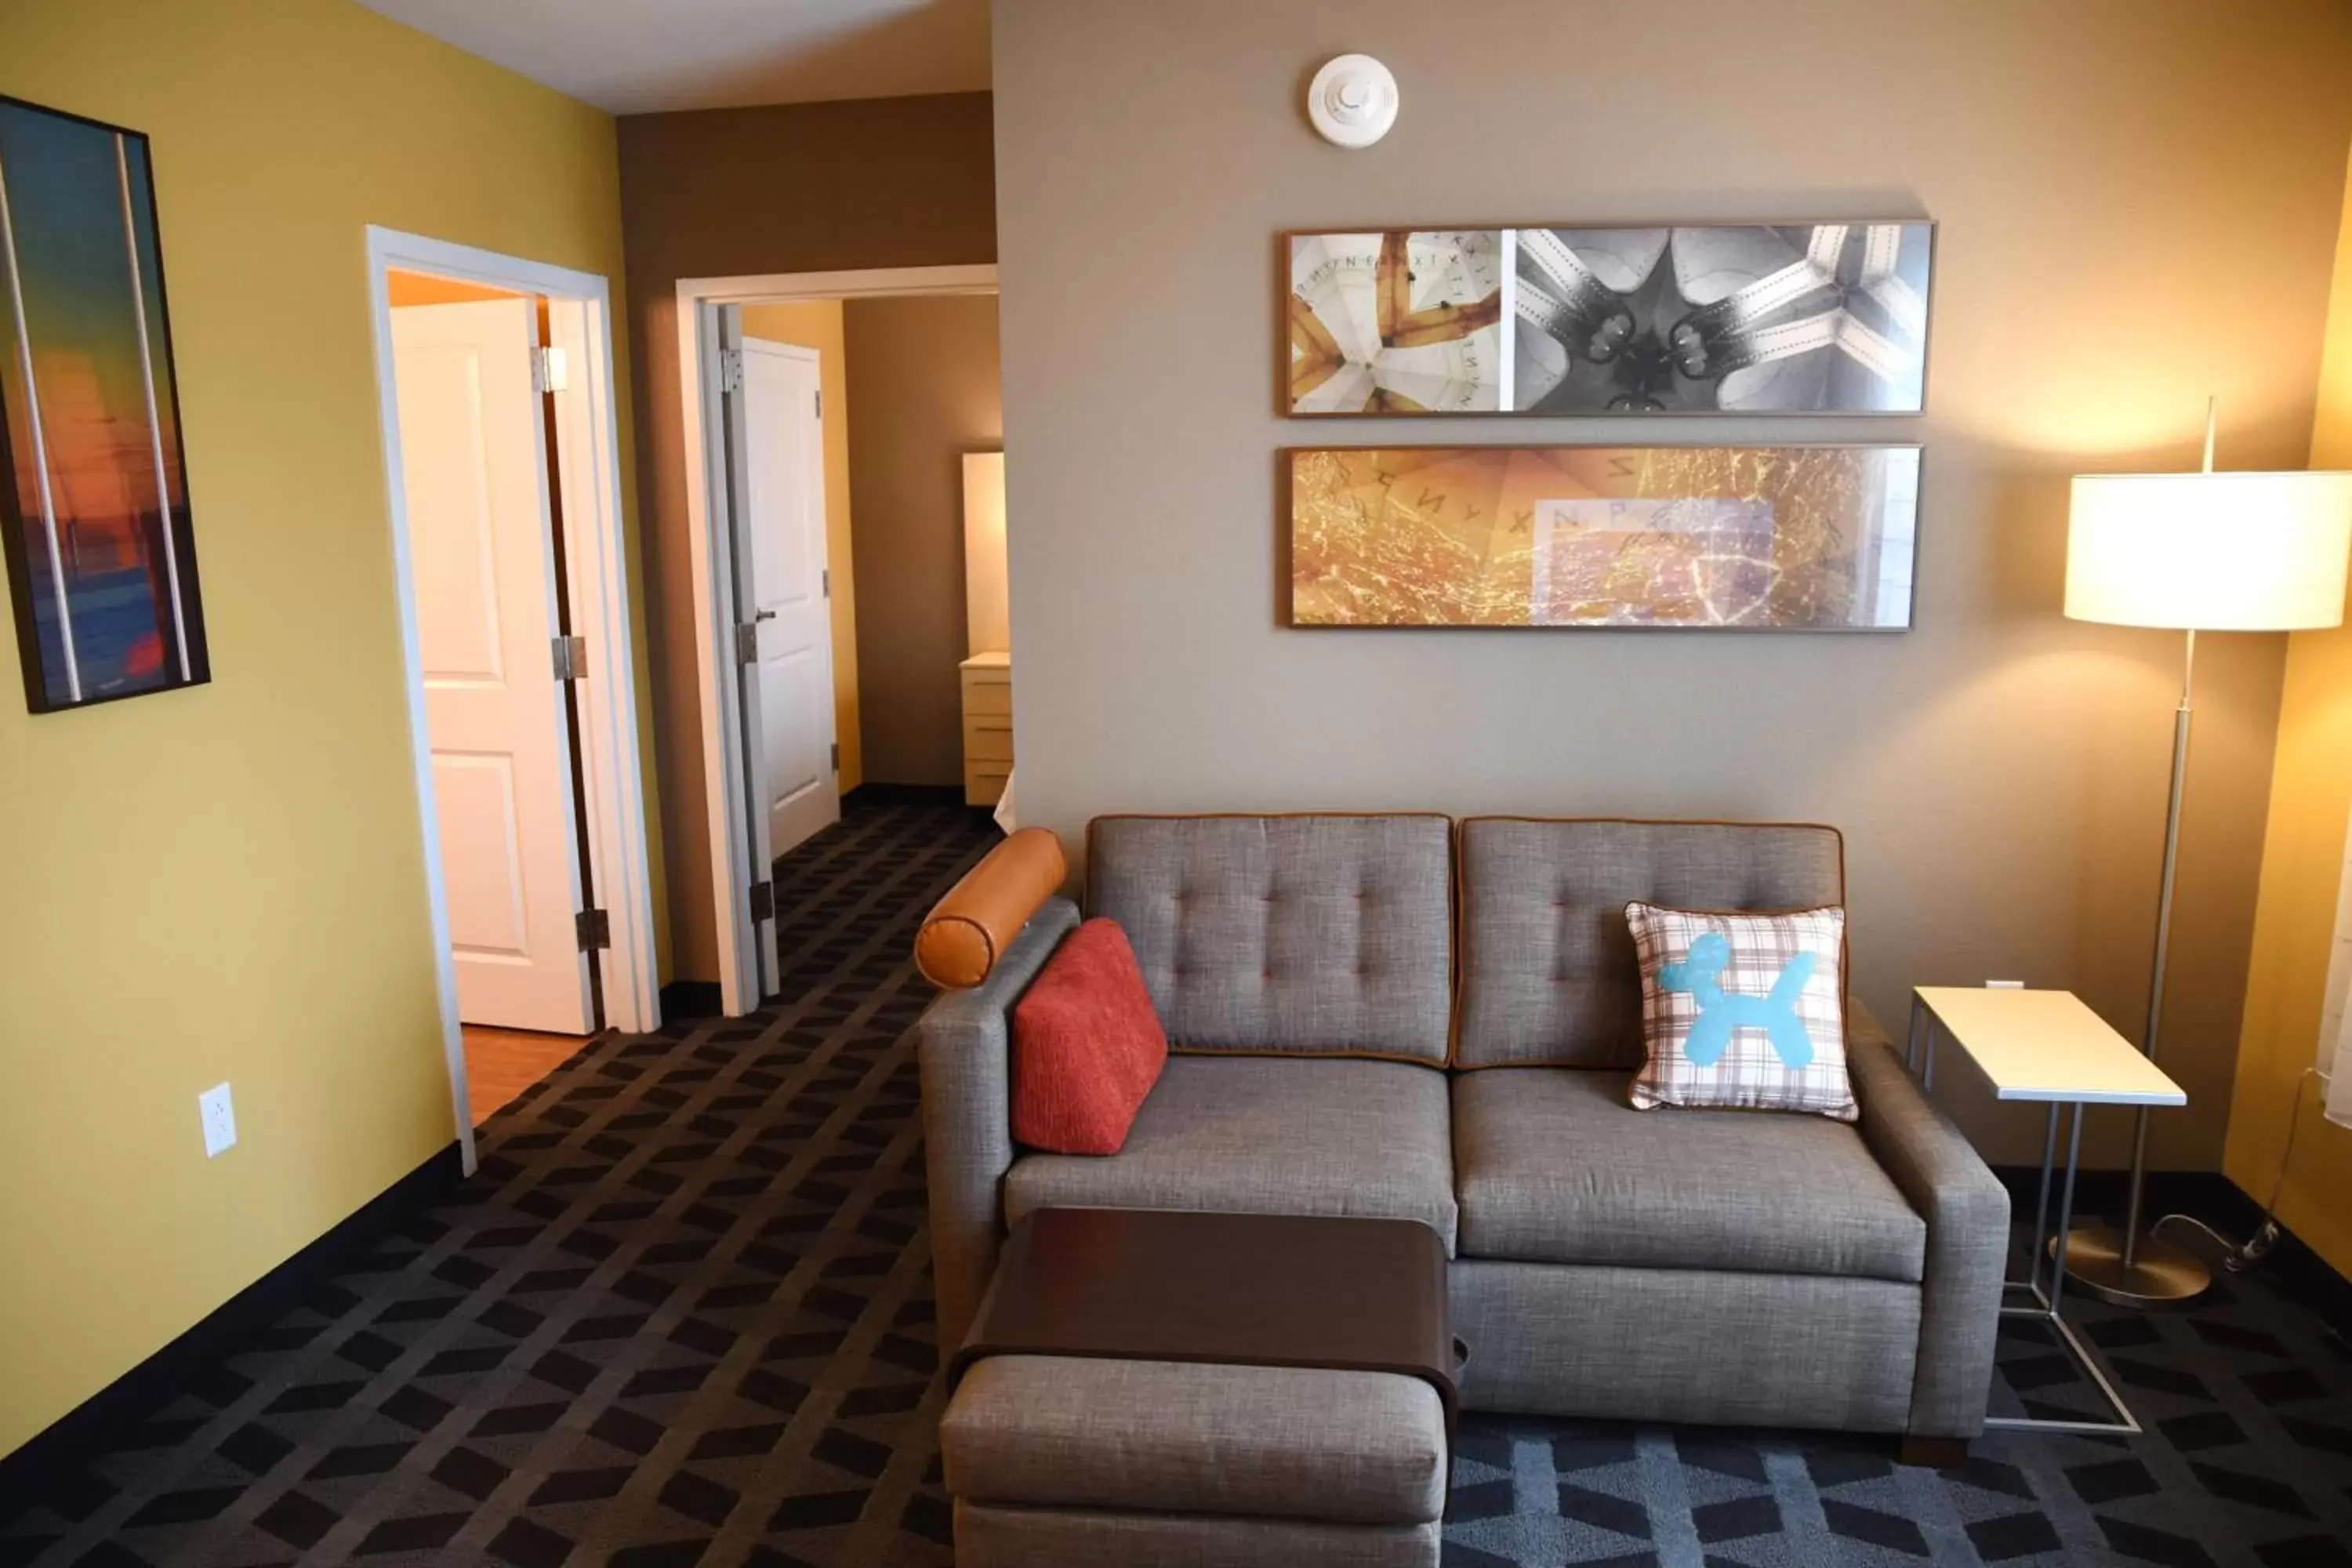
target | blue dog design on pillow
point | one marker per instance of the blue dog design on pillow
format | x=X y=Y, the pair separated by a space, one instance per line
x=1700 y=974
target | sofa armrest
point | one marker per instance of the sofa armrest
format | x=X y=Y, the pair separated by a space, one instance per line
x=963 y=1044
x=1966 y=1211
x=984 y=913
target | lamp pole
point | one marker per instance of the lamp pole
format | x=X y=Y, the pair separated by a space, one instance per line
x=2127 y=1268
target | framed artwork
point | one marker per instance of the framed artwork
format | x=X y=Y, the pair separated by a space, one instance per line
x=93 y=496
x=1822 y=318
x=1794 y=538
x=1403 y=322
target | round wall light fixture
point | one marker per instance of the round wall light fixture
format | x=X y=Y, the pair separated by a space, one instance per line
x=1353 y=100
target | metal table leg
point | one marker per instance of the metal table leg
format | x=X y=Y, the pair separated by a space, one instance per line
x=1922 y=1040
x=2046 y=1304
x=2032 y=1281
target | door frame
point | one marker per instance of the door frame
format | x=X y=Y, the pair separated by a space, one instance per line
x=725 y=769
x=587 y=466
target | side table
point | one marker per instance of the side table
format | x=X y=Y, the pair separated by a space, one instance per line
x=2046 y=1046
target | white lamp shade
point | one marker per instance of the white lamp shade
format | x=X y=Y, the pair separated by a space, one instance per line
x=2227 y=551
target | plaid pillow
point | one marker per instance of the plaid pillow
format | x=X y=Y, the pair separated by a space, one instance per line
x=1745 y=1010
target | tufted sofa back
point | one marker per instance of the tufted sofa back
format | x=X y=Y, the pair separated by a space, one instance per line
x=1329 y=934
x=1312 y=934
x=1548 y=975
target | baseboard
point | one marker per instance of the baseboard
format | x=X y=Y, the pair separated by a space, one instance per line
x=2308 y=1277
x=686 y=999
x=51 y=1457
x=905 y=795
x=2201 y=1192
x=2214 y=1198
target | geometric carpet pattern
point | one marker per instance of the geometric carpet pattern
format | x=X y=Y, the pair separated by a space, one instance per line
x=682 y=1315
x=2247 y=1460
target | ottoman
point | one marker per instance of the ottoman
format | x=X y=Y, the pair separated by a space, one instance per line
x=1200 y=1390
x=1088 y=1462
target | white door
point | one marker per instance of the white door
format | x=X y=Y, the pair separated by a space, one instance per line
x=788 y=687
x=474 y=467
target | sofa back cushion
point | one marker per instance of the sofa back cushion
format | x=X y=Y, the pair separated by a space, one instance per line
x=1549 y=974
x=1323 y=935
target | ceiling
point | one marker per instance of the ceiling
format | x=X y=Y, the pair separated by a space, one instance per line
x=634 y=56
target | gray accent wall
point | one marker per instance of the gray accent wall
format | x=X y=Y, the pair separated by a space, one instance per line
x=2138 y=202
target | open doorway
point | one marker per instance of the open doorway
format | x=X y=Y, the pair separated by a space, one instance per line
x=853 y=583
x=495 y=382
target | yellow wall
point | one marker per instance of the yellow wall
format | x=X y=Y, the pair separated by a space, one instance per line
x=816 y=324
x=227 y=883
x=2302 y=859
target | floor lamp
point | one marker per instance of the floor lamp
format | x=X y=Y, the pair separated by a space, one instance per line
x=2202 y=552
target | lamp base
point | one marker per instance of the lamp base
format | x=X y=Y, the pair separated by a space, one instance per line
x=2161 y=1274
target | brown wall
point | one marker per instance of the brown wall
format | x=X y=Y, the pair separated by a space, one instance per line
x=874 y=182
x=2138 y=202
x=927 y=392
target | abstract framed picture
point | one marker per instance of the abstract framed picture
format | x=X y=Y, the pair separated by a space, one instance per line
x=93 y=494
x=1790 y=538
x=1812 y=318
x=1407 y=322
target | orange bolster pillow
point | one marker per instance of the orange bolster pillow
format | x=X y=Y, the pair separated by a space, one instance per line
x=967 y=931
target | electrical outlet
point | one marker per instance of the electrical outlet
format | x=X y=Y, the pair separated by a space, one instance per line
x=219 y=1114
x=2004 y=985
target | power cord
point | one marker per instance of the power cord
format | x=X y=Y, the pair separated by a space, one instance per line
x=2238 y=1257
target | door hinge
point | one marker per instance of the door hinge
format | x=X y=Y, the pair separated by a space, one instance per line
x=594 y=928
x=763 y=900
x=730 y=370
x=820 y=403
x=547 y=371
x=570 y=658
x=836 y=756
x=747 y=643
x=824 y=582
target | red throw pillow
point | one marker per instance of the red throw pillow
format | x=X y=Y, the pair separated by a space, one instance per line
x=1087 y=1046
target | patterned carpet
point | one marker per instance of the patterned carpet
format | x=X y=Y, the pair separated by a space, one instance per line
x=682 y=1316
x=2247 y=1461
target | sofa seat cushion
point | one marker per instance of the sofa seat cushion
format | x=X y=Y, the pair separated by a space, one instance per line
x=1268 y=1135
x=1556 y=1167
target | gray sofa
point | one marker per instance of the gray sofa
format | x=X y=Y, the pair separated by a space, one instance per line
x=1404 y=1017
